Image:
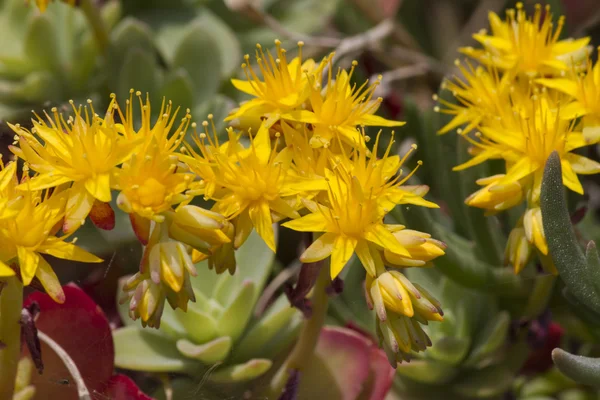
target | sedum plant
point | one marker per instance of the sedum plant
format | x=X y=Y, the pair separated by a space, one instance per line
x=220 y=331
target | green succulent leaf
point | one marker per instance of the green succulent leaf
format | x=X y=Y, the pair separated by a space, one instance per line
x=200 y=57
x=255 y=261
x=209 y=353
x=139 y=71
x=547 y=384
x=242 y=372
x=427 y=371
x=219 y=106
x=129 y=34
x=579 y=276
x=448 y=349
x=236 y=315
x=581 y=369
x=265 y=329
x=148 y=350
x=484 y=383
x=490 y=339
x=178 y=88
x=41 y=45
x=199 y=326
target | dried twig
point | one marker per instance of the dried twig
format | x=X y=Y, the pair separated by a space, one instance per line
x=401 y=73
x=274 y=285
x=416 y=57
x=82 y=391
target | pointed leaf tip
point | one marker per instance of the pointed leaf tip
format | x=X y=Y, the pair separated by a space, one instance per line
x=581 y=369
x=563 y=246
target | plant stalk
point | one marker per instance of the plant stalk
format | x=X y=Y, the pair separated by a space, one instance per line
x=11 y=302
x=309 y=335
x=92 y=14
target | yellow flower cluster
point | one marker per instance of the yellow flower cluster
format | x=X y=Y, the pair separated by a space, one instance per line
x=306 y=160
x=531 y=94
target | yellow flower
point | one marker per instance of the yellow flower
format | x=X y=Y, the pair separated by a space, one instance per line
x=481 y=94
x=83 y=151
x=352 y=222
x=339 y=107
x=250 y=185
x=527 y=45
x=584 y=89
x=151 y=182
x=31 y=233
x=421 y=247
x=525 y=150
x=285 y=86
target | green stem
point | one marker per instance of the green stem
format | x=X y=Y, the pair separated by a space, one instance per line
x=309 y=335
x=92 y=14
x=11 y=302
x=540 y=296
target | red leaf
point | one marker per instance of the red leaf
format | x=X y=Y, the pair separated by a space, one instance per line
x=122 y=387
x=80 y=327
x=346 y=365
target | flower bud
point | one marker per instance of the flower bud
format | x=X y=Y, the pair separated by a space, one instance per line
x=518 y=250
x=199 y=228
x=421 y=247
x=534 y=230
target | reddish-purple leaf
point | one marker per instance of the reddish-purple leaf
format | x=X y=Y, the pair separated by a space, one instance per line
x=122 y=387
x=80 y=327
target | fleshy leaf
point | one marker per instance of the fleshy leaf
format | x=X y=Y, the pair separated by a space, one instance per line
x=581 y=369
x=426 y=371
x=562 y=242
x=242 y=372
x=122 y=387
x=490 y=339
x=487 y=382
x=199 y=55
x=148 y=350
x=277 y=316
x=79 y=314
x=209 y=353
x=345 y=365
x=199 y=326
x=237 y=314
x=449 y=349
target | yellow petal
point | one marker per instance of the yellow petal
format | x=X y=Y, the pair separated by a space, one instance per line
x=583 y=165
x=343 y=249
x=67 y=251
x=78 y=207
x=44 y=181
x=570 y=178
x=28 y=263
x=260 y=215
x=315 y=222
x=99 y=187
x=243 y=228
x=384 y=238
x=567 y=86
x=243 y=86
x=376 y=120
x=5 y=270
x=320 y=249
x=49 y=281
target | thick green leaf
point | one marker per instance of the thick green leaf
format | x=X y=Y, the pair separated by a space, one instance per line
x=484 y=383
x=178 y=88
x=255 y=261
x=200 y=57
x=242 y=372
x=219 y=106
x=259 y=336
x=228 y=43
x=236 y=315
x=41 y=45
x=562 y=242
x=140 y=72
x=547 y=384
x=148 y=350
x=427 y=371
x=200 y=326
x=490 y=339
x=209 y=353
x=581 y=369
x=451 y=350
x=129 y=34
